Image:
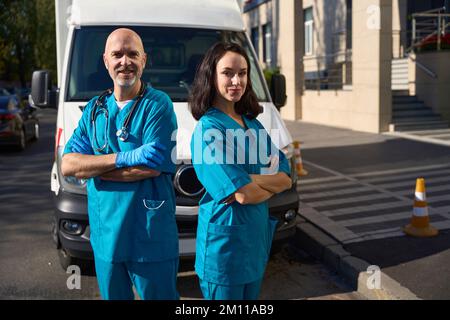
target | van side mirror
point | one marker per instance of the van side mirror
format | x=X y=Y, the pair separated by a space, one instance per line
x=278 y=90
x=42 y=94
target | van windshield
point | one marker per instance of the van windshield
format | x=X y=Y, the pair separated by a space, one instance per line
x=173 y=56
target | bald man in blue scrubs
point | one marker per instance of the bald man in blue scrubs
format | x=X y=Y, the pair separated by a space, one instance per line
x=123 y=146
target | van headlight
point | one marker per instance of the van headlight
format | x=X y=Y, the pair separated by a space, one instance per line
x=76 y=182
x=69 y=184
x=72 y=227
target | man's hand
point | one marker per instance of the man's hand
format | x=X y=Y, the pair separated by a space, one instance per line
x=82 y=146
x=131 y=174
x=149 y=155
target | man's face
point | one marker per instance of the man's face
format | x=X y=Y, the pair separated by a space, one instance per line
x=124 y=57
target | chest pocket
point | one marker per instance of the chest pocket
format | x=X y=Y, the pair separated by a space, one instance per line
x=155 y=221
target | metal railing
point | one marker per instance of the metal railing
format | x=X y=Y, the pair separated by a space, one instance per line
x=328 y=72
x=423 y=67
x=429 y=27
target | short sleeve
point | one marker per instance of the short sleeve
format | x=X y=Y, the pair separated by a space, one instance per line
x=161 y=125
x=82 y=128
x=219 y=178
x=283 y=163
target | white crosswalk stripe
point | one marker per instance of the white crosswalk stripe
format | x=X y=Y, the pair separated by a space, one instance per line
x=318 y=187
x=339 y=192
x=411 y=183
x=318 y=180
x=400 y=171
x=438 y=198
x=349 y=200
x=362 y=209
x=442 y=209
x=377 y=219
x=411 y=176
x=354 y=209
x=429 y=190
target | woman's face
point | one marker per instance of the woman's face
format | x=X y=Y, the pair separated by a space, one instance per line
x=231 y=77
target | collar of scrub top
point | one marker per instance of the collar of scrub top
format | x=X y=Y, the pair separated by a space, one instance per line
x=122 y=133
x=245 y=117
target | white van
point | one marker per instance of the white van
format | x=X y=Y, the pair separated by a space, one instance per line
x=176 y=34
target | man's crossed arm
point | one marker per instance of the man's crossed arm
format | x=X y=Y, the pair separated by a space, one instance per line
x=127 y=166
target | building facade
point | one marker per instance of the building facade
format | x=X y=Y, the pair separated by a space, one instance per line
x=343 y=59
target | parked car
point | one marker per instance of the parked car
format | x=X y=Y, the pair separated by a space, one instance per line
x=11 y=92
x=18 y=122
x=4 y=92
x=21 y=93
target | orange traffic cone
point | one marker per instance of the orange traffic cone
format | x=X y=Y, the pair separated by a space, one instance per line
x=420 y=221
x=298 y=159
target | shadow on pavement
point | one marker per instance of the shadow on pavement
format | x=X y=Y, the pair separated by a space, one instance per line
x=420 y=264
x=387 y=155
x=395 y=251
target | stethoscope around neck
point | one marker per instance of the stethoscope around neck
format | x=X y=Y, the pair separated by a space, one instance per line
x=122 y=134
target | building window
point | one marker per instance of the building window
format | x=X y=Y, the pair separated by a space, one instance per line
x=349 y=25
x=267 y=43
x=255 y=39
x=309 y=31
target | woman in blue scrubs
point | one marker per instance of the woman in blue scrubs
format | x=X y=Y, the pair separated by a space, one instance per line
x=240 y=168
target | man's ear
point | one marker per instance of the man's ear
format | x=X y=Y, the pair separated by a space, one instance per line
x=105 y=61
x=145 y=61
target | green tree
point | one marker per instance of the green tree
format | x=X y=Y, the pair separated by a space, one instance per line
x=45 y=49
x=18 y=34
x=27 y=38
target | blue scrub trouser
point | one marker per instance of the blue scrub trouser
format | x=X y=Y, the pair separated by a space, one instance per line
x=248 y=291
x=152 y=280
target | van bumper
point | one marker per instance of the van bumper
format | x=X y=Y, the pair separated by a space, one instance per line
x=73 y=207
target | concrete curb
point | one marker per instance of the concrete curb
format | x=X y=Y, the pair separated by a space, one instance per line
x=317 y=243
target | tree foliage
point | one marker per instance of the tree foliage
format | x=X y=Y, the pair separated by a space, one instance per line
x=27 y=38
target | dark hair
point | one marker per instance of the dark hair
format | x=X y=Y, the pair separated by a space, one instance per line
x=203 y=89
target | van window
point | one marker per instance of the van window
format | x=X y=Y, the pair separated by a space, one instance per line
x=173 y=56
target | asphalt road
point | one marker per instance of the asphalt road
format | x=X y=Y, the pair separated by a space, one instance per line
x=383 y=166
x=29 y=266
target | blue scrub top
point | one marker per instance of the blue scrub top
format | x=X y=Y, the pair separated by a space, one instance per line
x=233 y=241
x=133 y=221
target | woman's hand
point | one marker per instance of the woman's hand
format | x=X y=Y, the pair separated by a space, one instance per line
x=275 y=183
x=229 y=200
x=252 y=193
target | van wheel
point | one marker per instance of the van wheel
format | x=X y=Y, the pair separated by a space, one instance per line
x=22 y=141
x=66 y=260
x=276 y=248
x=55 y=234
x=36 y=131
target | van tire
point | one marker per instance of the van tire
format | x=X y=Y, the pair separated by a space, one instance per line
x=36 y=131
x=22 y=141
x=66 y=260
